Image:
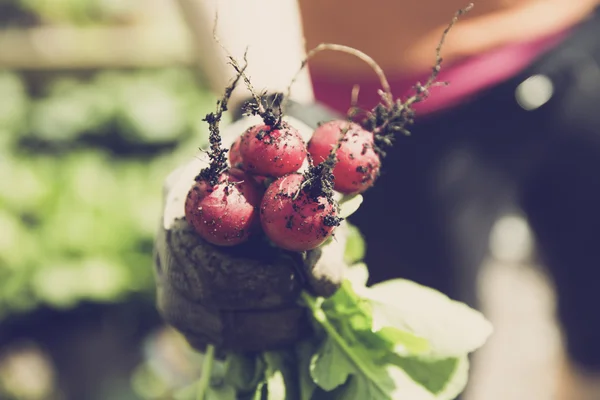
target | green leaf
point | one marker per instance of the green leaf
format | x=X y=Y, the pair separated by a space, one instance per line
x=261 y=391
x=401 y=383
x=452 y=328
x=330 y=367
x=281 y=375
x=457 y=382
x=335 y=362
x=352 y=316
x=359 y=388
x=304 y=354
x=349 y=205
x=244 y=372
x=354 y=363
x=337 y=358
x=355 y=246
x=444 y=378
x=403 y=342
x=346 y=303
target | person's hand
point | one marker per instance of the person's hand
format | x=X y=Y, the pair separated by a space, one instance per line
x=242 y=298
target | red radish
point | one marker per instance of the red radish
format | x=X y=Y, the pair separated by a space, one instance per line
x=294 y=218
x=272 y=151
x=262 y=181
x=357 y=164
x=222 y=206
x=235 y=158
x=225 y=214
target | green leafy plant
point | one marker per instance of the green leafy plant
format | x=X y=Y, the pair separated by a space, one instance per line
x=393 y=340
x=79 y=162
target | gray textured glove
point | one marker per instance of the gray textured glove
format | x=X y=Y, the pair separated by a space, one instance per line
x=242 y=298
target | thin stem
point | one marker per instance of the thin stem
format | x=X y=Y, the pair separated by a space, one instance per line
x=438 y=58
x=385 y=85
x=204 y=383
x=235 y=65
x=354 y=96
x=321 y=318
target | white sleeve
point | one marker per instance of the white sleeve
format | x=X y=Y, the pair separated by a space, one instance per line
x=271 y=30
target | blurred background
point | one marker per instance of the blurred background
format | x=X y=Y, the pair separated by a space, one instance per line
x=99 y=100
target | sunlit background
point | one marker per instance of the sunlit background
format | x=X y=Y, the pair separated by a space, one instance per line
x=99 y=100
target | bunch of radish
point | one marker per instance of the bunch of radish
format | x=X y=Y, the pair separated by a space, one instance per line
x=275 y=183
x=272 y=182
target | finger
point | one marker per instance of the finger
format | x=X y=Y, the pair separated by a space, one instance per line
x=236 y=330
x=325 y=266
x=253 y=275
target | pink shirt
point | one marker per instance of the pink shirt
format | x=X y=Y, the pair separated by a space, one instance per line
x=466 y=78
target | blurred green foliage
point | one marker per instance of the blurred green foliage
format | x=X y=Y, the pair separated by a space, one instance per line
x=81 y=168
x=83 y=155
x=72 y=12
